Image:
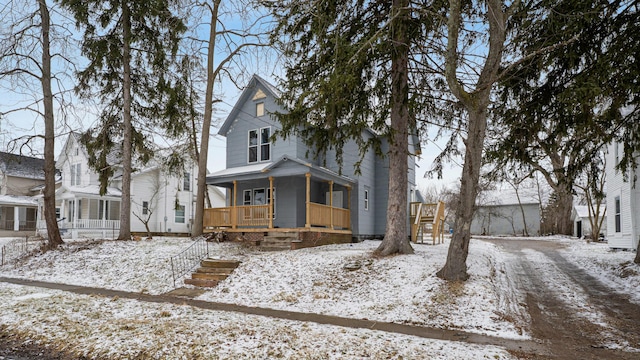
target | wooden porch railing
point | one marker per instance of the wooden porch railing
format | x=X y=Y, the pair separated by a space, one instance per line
x=258 y=215
x=243 y=216
x=331 y=217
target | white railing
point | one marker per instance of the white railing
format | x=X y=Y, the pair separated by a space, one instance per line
x=84 y=224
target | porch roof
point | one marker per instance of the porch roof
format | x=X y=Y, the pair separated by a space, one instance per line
x=285 y=166
x=92 y=191
x=18 y=200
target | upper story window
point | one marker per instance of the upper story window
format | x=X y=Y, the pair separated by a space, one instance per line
x=260 y=145
x=145 y=208
x=260 y=109
x=616 y=152
x=186 y=184
x=75 y=174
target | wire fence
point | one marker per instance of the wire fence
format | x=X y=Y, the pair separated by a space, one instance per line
x=19 y=247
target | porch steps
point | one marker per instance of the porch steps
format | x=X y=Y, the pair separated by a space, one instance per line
x=278 y=240
x=211 y=272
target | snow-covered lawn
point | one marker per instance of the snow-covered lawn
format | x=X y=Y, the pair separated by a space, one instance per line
x=401 y=289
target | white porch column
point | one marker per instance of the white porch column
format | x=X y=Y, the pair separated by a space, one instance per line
x=75 y=212
x=16 y=218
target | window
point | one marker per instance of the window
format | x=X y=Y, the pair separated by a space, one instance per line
x=58 y=213
x=617 y=217
x=186 y=186
x=260 y=109
x=75 y=174
x=246 y=197
x=145 y=208
x=265 y=145
x=366 y=199
x=180 y=214
x=616 y=151
x=260 y=148
x=258 y=197
x=253 y=146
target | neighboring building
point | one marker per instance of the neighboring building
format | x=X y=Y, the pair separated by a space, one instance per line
x=504 y=213
x=582 y=224
x=623 y=202
x=165 y=201
x=20 y=177
x=280 y=186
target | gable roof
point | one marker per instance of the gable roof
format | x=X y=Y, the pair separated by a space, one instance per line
x=22 y=166
x=247 y=93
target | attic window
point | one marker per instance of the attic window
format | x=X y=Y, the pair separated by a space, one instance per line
x=260 y=109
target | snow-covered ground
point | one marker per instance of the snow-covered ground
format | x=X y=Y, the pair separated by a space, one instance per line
x=401 y=289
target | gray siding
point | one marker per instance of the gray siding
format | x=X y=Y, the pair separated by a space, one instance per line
x=246 y=120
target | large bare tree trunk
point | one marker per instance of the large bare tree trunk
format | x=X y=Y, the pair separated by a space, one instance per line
x=125 y=203
x=456 y=266
x=49 y=137
x=396 y=239
x=206 y=124
x=476 y=103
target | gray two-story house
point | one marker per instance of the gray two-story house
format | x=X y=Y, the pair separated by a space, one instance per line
x=281 y=187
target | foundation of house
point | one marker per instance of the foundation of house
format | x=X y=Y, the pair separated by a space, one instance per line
x=285 y=239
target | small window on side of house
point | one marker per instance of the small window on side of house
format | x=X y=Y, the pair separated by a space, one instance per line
x=260 y=109
x=366 y=199
x=618 y=218
x=145 y=208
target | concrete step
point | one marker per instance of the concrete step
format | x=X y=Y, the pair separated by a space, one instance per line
x=267 y=247
x=215 y=263
x=286 y=234
x=201 y=282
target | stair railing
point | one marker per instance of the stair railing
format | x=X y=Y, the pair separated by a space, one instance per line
x=189 y=258
x=416 y=226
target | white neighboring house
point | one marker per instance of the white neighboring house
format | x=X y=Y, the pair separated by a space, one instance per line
x=165 y=201
x=581 y=223
x=623 y=202
x=502 y=213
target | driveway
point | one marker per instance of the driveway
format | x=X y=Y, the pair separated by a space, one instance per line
x=572 y=313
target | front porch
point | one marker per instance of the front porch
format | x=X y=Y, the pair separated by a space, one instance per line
x=83 y=212
x=302 y=201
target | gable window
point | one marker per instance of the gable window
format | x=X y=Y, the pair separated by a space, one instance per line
x=260 y=109
x=186 y=185
x=616 y=153
x=145 y=208
x=180 y=214
x=366 y=199
x=617 y=217
x=260 y=145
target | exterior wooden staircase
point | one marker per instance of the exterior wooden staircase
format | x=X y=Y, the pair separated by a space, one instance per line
x=211 y=272
x=427 y=217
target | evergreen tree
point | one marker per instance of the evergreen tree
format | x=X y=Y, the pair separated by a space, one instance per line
x=131 y=47
x=347 y=70
x=559 y=108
